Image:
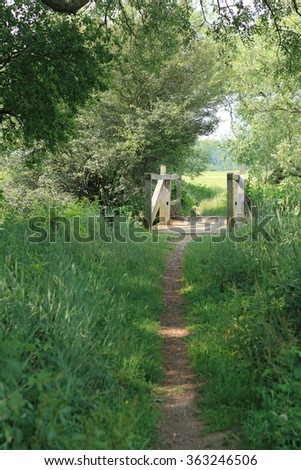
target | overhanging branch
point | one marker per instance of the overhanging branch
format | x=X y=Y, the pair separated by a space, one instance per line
x=66 y=6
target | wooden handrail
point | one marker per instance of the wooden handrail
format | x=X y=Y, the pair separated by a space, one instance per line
x=237 y=206
x=172 y=177
x=160 y=200
x=156 y=198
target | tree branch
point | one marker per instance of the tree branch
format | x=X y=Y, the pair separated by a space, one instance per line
x=66 y=6
x=126 y=18
x=278 y=108
x=296 y=7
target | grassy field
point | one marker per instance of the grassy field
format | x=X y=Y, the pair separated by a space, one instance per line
x=243 y=307
x=79 y=343
x=207 y=192
x=212 y=179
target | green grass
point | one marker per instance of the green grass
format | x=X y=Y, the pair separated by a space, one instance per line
x=79 y=348
x=243 y=310
x=212 y=179
x=208 y=192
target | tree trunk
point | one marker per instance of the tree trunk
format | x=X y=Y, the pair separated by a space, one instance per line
x=66 y=6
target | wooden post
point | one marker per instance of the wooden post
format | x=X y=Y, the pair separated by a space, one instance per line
x=148 y=201
x=165 y=202
x=162 y=169
x=161 y=199
x=235 y=192
x=230 y=201
x=179 y=197
x=240 y=208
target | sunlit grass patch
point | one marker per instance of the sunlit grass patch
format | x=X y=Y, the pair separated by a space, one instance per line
x=208 y=192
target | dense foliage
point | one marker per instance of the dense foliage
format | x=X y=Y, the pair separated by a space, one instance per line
x=163 y=94
x=268 y=115
x=243 y=306
x=51 y=64
x=277 y=21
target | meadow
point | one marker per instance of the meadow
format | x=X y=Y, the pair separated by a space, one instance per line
x=243 y=308
x=80 y=353
x=207 y=193
x=79 y=349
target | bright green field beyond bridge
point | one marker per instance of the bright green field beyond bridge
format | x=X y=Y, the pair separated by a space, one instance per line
x=207 y=193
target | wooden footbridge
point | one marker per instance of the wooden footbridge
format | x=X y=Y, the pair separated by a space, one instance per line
x=162 y=213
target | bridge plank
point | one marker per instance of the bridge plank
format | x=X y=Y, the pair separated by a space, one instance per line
x=148 y=200
x=168 y=176
x=240 y=197
x=156 y=199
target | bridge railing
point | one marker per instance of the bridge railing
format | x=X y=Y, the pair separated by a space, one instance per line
x=237 y=206
x=160 y=200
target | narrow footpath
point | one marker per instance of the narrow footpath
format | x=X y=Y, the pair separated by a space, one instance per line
x=180 y=427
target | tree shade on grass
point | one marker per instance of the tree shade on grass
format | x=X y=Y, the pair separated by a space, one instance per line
x=80 y=351
x=243 y=309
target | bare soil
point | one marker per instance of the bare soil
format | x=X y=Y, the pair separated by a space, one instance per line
x=180 y=427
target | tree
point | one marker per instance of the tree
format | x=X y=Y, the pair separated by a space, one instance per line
x=268 y=121
x=162 y=96
x=66 y=6
x=51 y=64
x=152 y=115
x=277 y=21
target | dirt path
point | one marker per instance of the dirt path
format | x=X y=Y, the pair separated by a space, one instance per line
x=179 y=427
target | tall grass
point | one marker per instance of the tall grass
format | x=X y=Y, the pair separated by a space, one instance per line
x=210 y=179
x=1 y=190
x=244 y=311
x=206 y=194
x=79 y=344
